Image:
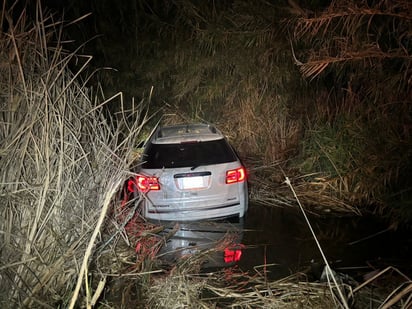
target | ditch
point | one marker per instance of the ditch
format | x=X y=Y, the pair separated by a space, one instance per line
x=282 y=240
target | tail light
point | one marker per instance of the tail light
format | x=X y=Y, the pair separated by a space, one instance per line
x=232 y=255
x=143 y=184
x=237 y=175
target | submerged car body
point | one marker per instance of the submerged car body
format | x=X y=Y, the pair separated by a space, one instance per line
x=191 y=172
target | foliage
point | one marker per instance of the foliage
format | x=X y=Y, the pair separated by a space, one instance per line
x=364 y=32
x=62 y=163
x=359 y=138
x=208 y=61
x=240 y=65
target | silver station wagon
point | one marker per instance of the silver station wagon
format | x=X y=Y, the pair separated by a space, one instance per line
x=191 y=172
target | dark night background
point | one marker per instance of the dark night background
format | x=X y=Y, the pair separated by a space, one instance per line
x=320 y=88
x=317 y=91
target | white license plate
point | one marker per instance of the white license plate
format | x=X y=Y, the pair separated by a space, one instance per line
x=193 y=182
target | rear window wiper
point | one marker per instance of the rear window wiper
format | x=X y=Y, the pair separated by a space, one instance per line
x=200 y=164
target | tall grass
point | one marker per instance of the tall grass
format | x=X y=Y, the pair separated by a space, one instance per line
x=237 y=65
x=61 y=162
x=357 y=137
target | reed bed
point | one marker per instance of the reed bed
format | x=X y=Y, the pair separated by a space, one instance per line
x=61 y=161
x=66 y=237
x=233 y=288
x=187 y=286
x=319 y=195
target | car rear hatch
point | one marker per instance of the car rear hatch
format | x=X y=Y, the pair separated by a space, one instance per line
x=184 y=189
x=191 y=175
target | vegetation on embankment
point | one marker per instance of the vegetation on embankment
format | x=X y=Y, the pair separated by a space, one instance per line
x=319 y=91
x=63 y=162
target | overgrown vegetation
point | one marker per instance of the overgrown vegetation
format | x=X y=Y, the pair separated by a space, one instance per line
x=342 y=135
x=359 y=138
x=317 y=90
x=62 y=163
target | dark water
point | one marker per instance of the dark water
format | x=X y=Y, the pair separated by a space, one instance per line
x=281 y=239
x=278 y=242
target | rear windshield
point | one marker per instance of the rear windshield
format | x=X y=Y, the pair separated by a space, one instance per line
x=188 y=154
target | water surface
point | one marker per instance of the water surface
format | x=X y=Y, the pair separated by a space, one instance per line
x=282 y=240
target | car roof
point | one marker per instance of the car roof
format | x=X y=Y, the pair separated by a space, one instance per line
x=195 y=132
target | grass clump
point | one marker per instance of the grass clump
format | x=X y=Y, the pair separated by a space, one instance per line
x=184 y=287
x=232 y=288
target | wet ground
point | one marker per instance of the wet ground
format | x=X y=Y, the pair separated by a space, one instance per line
x=281 y=240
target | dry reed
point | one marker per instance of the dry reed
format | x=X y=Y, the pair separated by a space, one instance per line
x=346 y=18
x=186 y=287
x=232 y=288
x=61 y=163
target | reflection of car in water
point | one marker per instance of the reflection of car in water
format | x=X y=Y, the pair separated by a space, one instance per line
x=216 y=243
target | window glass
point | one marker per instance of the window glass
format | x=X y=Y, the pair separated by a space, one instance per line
x=188 y=154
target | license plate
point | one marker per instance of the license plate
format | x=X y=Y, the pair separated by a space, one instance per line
x=193 y=182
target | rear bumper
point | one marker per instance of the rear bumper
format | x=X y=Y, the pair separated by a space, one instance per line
x=196 y=213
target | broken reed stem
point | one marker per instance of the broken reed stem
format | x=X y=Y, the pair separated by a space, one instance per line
x=328 y=268
x=89 y=250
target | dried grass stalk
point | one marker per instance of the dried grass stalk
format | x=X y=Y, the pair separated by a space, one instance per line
x=232 y=288
x=61 y=162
